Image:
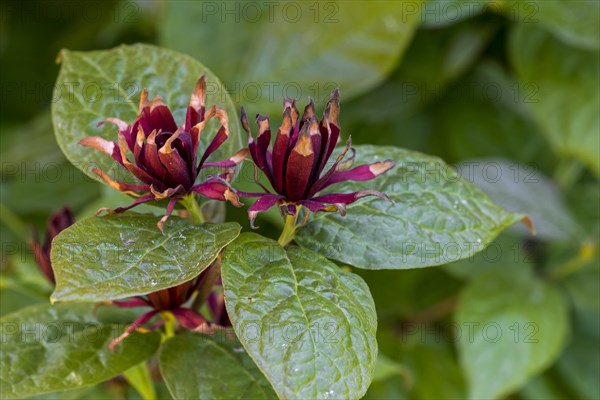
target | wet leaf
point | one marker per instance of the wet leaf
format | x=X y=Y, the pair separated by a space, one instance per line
x=96 y=85
x=48 y=348
x=308 y=325
x=122 y=255
x=204 y=367
x=435 y=217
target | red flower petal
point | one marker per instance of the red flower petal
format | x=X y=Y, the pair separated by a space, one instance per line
x=300 y=163
x=174 y=163
x=196 y=108
x=265 y=202
x=280 y=150
x=361 y=173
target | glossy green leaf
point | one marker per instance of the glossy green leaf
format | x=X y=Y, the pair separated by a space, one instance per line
x=513 y=326
x=568 y=99
x=294 y=49
x=574 y=22
x=522 y=188
x=122 y=255
x=203 y=367
x=50 y=348
x=308 y=325
x=434 y=217
x=96 y=85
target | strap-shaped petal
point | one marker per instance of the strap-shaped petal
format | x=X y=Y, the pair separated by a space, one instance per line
x=103 y=145
x=232 y=161
x=121 y=186
x=221 y=135
x=265 y=202
x=217 y=189
x=170 y=207
x=340 y=200
x=280 y=150
x=361 y=173
x=197 y=106
x=325 y=177
x=174 y=162
x=300 y=164
x=161 y=117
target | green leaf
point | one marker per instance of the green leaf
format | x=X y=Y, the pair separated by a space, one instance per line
x=485 y=115
x=522 y=188
x=49 y=348
x=434 y=217
x=96 y=85
x=296 y=50
x=36 y=168
x=567 y=100
x=122 y=255
x=426 y=351
x=507 y=251
x=578 y=363
x=395 y=109
x=386 y=368
x=573 y=22
x=400 y=293
x=513 y=326
x=440 y=13
x=308 y=325
x=139 y=377
x=201 y=367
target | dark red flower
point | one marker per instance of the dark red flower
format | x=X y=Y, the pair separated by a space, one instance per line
x=58 y=222
x=172 y=300
x=295 y=163
x=164 y=154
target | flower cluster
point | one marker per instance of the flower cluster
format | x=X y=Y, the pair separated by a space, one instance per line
x=163 y=157
x=165 y=154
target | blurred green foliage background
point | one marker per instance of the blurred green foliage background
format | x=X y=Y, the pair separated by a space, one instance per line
x=505 y=90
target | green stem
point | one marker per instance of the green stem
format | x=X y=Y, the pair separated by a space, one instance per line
x=582 y=259
x=139 y=377
x=289 y=230
x=170 y=322
x=191 y=205
x=212 y=274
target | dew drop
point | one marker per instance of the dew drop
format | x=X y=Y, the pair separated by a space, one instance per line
x=153 y=282
x=329 y=394
x=74 y=378
x=238 y=350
